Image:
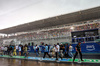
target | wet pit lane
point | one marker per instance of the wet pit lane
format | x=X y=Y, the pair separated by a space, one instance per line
x=18 y=62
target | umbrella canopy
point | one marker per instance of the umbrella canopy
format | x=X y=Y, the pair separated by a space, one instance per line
x=97 y=40
x=64 y=43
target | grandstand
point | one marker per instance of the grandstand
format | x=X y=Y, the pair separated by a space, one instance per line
x=55 y=29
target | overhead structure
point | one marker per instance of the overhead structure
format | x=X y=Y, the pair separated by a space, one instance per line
x=89 y=14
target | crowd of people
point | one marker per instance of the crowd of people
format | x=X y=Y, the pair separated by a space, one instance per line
x=56 y=32
x=13 y=50
x=57 y=51
x=61 y=51
x=51 y=51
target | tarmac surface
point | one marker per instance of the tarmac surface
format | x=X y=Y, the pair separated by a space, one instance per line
x=18 y=62
x=90 y=60
x=84 y=55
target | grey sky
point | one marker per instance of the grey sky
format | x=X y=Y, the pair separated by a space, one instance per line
x=15 y=12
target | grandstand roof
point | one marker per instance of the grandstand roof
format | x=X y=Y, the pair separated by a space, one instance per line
x=89 y=14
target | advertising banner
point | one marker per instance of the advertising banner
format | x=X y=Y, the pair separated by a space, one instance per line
x=85 y=48
x=88 y=47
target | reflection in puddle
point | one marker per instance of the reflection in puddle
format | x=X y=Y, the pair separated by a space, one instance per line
x=17 y=62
